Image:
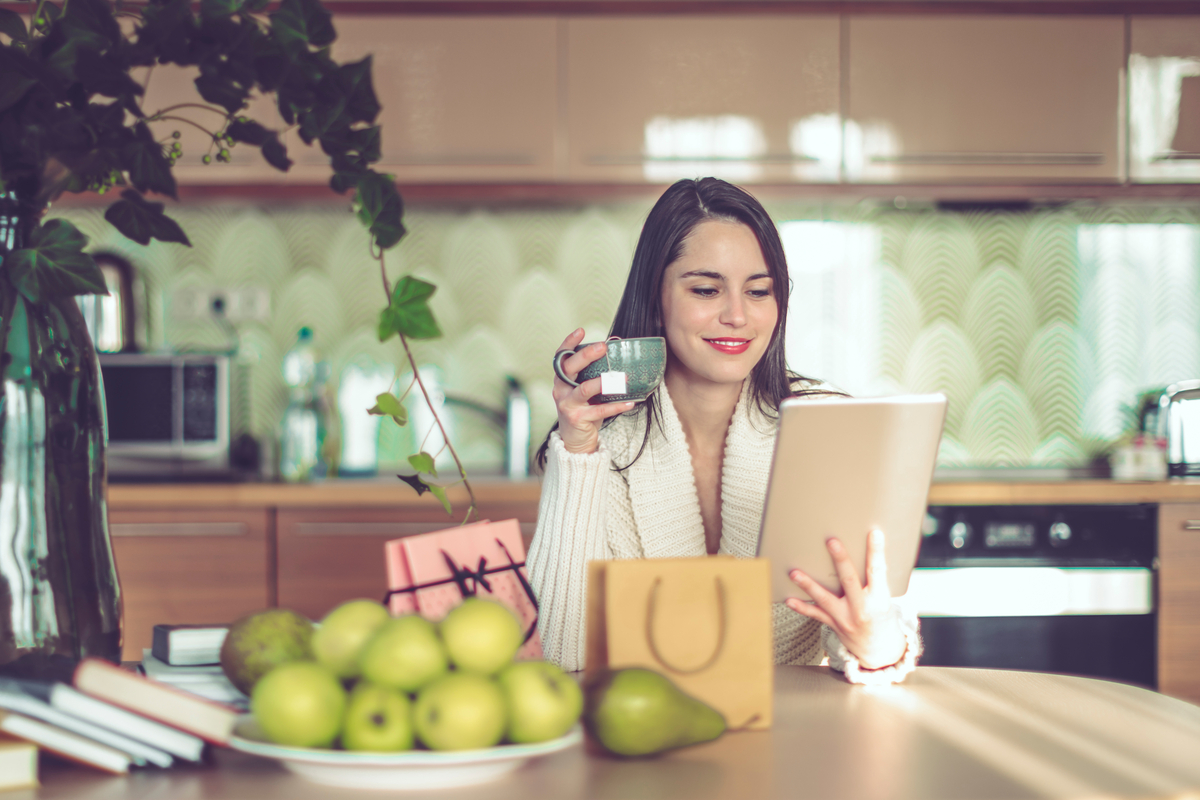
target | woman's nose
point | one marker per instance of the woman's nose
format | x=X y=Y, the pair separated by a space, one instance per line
x=734 y=312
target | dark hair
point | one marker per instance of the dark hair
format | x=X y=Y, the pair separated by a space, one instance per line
x=677 y=213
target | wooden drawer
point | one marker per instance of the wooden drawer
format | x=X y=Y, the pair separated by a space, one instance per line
x=189 y=566
x=1179 y=600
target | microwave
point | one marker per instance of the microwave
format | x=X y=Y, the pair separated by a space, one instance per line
x=166 y=415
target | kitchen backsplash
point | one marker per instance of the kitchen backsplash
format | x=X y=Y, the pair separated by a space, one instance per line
x=1040 y=325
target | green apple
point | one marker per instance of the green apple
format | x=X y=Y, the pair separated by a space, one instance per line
x=300 y=703
x=405 y=653
x=378 y=718
x=460 y=711
x=339 y=641
x=481 y=636
x=543 y=701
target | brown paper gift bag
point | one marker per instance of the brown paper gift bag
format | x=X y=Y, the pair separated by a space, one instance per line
x=704 y=622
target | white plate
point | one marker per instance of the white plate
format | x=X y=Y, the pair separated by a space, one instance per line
x=412 y=769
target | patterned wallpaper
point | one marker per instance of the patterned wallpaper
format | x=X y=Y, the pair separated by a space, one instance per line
x=1039 y=325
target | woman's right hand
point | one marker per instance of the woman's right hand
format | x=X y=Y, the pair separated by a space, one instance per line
x=578 y=420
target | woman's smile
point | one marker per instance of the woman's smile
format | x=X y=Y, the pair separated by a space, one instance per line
x=729 y=345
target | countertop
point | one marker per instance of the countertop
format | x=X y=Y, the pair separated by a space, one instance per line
x=391 y=493
x=944 y=733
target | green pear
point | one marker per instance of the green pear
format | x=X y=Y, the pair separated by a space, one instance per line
x=340 y=639
x=405 y=653
x=637 y=712
x=378 y=719
x=258 y=642
x=460 y=711
x=481 y=635
x=543 y=701
x=299 y=703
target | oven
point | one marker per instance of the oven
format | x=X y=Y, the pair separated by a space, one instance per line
x=1067 y=589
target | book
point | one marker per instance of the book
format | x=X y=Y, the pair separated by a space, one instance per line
x=176 y=742
x=65 y=743
x=205 y=680
x=18 y=763
x=207 y=719
x=184 y=645
x=31 y=698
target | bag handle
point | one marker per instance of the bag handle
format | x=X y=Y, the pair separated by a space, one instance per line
x=650 y=607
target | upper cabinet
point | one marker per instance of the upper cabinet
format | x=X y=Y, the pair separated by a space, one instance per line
x=1164 y=100
x=463 y=99
x=984 y=98
x=749 y=99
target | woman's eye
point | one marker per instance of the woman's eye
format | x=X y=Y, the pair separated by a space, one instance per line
x=760 y=292
x=704 y=291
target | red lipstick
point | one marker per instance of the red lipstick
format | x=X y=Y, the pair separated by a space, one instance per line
x=731 y=345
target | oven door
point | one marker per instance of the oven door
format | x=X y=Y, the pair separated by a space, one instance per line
x=1098 y=622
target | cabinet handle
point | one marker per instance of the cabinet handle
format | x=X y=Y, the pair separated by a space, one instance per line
x=1191 y=524
x=985 y=159
x=447 y=160
x=177 y=529
x=777 y=158
x=393 y=529
x=1180 y=156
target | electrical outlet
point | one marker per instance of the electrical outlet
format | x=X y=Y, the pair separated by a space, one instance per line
x=189 y=302
x=243 y=304
x=248 y=303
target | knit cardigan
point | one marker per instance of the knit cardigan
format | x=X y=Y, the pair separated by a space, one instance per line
x=589 y=511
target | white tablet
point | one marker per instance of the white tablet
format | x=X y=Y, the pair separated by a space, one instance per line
x=843 y=466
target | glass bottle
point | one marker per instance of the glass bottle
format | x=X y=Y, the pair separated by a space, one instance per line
x=301 y=428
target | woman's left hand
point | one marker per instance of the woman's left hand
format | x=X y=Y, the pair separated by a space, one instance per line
x=864 y=618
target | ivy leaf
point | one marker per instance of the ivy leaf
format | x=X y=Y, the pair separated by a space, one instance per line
x=141 y=220
x=387 y=405
x=249 y=132
x=276 y=154
x=103 y=75
x=149 y=170
x=301 y=23
x=440 y=494
x=210 y=9
x=54 y=265
x=423 y=462
x=355 y=80
x=379 y=208
x=408 y=312
x=415 y=482
x=12 y=25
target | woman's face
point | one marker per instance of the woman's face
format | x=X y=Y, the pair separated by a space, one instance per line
x=718 y=303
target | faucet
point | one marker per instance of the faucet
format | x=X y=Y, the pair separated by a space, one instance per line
x=514 y=420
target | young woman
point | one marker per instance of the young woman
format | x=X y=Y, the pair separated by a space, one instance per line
x=685 y=472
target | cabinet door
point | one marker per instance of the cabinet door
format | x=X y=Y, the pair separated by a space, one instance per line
x=1164 y=99
x=463 y=99
x=330 y=555
x=1179 y=601
x=193 y=566
x=748 y=99
x=984 y=98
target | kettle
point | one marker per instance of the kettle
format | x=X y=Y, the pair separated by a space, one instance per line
x=1179 y=421
x=110 y=318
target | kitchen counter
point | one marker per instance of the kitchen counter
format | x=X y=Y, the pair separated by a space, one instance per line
x=961 y=733
x=391 y=493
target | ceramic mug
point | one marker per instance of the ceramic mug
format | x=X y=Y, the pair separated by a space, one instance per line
x=643 y=361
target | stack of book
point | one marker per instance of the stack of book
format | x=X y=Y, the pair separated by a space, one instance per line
x=188 y=657
x=111 y=718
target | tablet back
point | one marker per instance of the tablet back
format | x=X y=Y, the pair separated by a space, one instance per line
x=843 y=466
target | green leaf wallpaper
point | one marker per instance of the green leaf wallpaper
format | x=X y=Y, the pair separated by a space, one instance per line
x=1039 y=325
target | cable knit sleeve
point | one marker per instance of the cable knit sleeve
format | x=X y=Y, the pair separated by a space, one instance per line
x=571 y=531
x=844 y=661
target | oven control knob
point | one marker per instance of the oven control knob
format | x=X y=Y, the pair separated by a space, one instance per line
x=1060 y=534
x=960 y=534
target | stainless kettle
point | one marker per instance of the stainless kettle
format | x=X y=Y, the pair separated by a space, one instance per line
x=111 y=318
x=1179 y=421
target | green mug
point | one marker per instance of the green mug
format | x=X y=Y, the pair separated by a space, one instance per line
x=643 y=360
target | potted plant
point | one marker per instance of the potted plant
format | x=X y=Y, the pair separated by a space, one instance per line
x=72 y=78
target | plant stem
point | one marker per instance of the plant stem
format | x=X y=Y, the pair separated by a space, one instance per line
x=161 y=118
x=471 y=509
x=158 y=114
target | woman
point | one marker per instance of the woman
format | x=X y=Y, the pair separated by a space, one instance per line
x=685 y=473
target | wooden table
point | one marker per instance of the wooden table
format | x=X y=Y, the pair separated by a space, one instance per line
x=944 y=733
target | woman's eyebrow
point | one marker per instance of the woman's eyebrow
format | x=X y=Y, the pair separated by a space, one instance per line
x=716 y=276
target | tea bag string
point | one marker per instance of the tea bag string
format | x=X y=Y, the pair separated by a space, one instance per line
x=650 y=608
x=607 y=365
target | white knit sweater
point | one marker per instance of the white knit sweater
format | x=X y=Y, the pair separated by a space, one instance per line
x=588 y=511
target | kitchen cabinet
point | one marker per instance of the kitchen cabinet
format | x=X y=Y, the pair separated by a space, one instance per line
x=1179 y=600
x=463 y=98
x=749 y=99
x=983 y=98
x=198 y=566
x=1164 y=100
x=329 y=555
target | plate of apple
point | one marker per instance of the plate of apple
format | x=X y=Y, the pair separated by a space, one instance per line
x=384 y=702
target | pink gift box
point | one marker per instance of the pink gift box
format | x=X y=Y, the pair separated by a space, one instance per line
x=432 y=573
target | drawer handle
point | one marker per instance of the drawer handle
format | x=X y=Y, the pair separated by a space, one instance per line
x=987 y=159
x=393 y=529
x=177 y=529
x=1191 y=524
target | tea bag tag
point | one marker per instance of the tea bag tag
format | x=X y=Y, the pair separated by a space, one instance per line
x=612 y=383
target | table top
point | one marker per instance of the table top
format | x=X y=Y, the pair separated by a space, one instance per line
x=944 y=733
